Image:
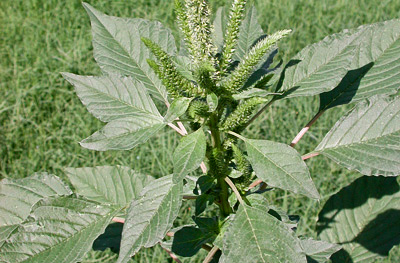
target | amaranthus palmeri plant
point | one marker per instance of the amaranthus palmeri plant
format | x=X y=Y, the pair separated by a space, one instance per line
x=222 y=78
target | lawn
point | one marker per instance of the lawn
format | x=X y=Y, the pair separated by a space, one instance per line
x=42 y=120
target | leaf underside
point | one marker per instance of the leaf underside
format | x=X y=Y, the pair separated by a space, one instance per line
x=114 y=185
x=364 y=218
x=60 y=230
x=118 y=47
x=189 y=154
x=367 y=139
x=267 y=239
x=150 y=216
x=280 y=166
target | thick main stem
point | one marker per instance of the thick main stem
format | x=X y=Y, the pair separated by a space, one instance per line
x=216 y=143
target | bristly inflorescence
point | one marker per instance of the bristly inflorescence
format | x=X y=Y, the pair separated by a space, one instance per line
x=195 y=23
x=175 y=83
x=239 y=76
x=232 y=34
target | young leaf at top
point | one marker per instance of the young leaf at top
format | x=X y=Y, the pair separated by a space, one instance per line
x=118 y=48
x=60 y=230
x=250 y=31
x=220 y=21
x=113 y=97
x=375 y=69
x=367 y=139
x=114 y=185
x=177 y=108
x=150 y=216
x=124 y=134
x=267 y=239
x=318 y=67
x=281 y=166
x=189 y=154
x=364 y=218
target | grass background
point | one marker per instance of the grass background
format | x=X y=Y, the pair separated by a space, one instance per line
x=42 y=120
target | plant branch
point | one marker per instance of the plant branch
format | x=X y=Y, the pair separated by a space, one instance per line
x=189 y=197
x=310 y=155
x=211 y=254
x=176 y=129
x=235 y=190
x=118 y=220
x=172 y=255
x=255 y=183
x=306 y=128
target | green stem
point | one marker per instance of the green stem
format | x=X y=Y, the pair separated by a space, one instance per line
x=216 y=143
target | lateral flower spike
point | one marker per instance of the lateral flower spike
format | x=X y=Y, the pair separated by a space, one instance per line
x=232 y=33
x=243 y=165
x=239 y=76
x=195 y=23
x=172 y=79
x=241 y=115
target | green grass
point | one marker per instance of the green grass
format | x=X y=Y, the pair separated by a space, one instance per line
x=42 y=120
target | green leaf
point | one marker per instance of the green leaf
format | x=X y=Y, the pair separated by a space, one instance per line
x=114 y=185
x=367 y=138
x=150 y=216
x=112 y=97
x=118 y=48
x=177 y=108
x=189 y=154
x=318 y=67
x=376 y=69
x=188 y=240
x=318 y=251
x=364 y=218
x=17 y=196
x=124 y=134
x=281 y=166
x=220 y=23
x=267 y=239
x=60 y=229
x=250 y=32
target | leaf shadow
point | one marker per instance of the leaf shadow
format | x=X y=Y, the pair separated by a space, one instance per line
x=111 y=238
x=345 y=90
x=382 y=186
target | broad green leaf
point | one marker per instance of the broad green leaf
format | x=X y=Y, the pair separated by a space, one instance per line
x=5 y=232
x=112 y=97
x=188 y=240
x=189 y=154
x=124 y=134
x=318 y=67
x=364 y=218
x=114 y=185
x=177 y=108
x=281 y=166
x=367 y=139
x=318 y=251
x=150 y=216
x=220 y=23
x=250 y=32
x=18 y=196
x=118 y=48
x=267 y=239
x=376 y=69
x=60 y=229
